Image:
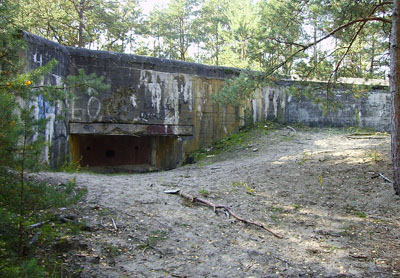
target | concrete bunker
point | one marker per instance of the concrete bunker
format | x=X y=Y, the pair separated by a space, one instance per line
x=138 y=123
x=157 y=110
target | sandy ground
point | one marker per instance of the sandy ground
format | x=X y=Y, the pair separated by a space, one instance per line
x=319 y=189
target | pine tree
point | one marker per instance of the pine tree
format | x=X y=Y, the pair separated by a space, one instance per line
x=172 y=28
x=22 y=142
x=210 y=27
x=100 y=24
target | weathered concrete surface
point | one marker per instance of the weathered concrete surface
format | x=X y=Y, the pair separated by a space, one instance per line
x=39 y=52
x=152 y=97
x=169 y=106
x=130 y=129
x=369 y=110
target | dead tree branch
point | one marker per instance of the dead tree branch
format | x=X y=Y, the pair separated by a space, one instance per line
x=38 y=224
x=385 y=178
x=223 y=207
x=114 y=224
x=291 y=128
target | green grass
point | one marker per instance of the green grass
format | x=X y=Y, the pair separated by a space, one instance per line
x=375 y=156
x=204 y=192
x=360 y=214
x=249 y=189
x=361 y=130
x=236 y=140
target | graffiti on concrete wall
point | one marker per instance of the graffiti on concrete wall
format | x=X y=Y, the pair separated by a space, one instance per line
x=161 y=96
x=154 y=98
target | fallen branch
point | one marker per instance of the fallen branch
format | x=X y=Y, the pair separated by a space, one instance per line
x=101 y=223
x=227 y=210
x=56 y=218
x=38 y=224
x=360 y=134
x=365 y=136
x=385 y=178
x=291 y=128
x=178 y=276
x=34 y=238
x=358 y=256
x=115 y=225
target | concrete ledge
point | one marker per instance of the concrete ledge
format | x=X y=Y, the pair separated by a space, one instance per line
x=130 y=129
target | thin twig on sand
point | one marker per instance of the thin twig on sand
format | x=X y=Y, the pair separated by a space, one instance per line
x=225 y=208
x=291 y=128
x=385 y=178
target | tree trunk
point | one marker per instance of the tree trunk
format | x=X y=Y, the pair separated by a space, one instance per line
x=395 y=90
x=372 y=61
x=81 y=42
x=217 y=44
x=182 y=38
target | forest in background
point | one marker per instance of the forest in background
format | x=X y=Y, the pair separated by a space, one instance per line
x=312 y=39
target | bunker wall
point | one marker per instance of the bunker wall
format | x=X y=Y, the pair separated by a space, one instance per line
x=157 y=110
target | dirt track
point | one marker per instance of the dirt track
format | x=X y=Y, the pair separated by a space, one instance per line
x=319 y=189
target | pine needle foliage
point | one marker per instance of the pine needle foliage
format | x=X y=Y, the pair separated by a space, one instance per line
x=23 y=201
x=241 y=88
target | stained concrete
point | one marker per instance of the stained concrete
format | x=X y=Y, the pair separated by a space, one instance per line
x=169 y=105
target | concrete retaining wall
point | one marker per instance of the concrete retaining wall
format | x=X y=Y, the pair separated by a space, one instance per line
x=169 y=106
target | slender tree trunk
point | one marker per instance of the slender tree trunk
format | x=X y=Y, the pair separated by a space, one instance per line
x=81 y=42
x=217 y=44
x=182 y=39
x=315 y=39
x=395 y=90
x=158 y=41
x=21 y=229
x=372 y=62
